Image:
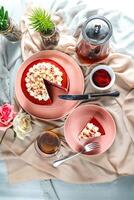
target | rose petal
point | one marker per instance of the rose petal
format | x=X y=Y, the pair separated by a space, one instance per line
x=4 y=128
x=20 y=135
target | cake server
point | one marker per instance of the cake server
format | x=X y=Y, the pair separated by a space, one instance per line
x=89 y=95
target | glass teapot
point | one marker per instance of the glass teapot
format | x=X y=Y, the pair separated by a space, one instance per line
x=93 y=43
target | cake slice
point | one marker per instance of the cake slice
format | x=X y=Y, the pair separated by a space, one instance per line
x=93 y=129
x=37 y=74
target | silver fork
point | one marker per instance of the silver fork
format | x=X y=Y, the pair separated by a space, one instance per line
x=87 y=148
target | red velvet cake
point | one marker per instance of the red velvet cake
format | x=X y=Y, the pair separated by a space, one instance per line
x=35 y=77
x=92 y=129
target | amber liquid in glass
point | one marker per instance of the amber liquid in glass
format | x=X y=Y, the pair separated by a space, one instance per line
x=89 y=54
x=48 y=143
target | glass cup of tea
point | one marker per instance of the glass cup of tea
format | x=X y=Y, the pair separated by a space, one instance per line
x=47 y=144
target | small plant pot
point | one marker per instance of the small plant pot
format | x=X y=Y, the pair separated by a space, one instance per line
x=12 y=33
x=51 y=40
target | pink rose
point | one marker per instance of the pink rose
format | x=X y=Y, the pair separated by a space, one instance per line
x=7 y=115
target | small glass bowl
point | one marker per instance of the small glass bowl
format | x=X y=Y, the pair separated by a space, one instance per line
x=39 y=142
x=110 y=72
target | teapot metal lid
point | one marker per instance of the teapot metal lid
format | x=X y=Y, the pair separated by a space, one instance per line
x=97 y=30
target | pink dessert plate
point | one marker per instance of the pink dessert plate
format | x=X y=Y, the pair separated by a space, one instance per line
x=59 y=108
x=77 y=120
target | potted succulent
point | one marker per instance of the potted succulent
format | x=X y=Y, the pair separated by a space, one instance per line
x=7 y=28
x=41 y=22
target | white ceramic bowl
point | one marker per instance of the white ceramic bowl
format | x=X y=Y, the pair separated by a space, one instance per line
x=111 y=73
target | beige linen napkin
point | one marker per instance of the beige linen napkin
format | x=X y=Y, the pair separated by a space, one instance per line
x=23 y=162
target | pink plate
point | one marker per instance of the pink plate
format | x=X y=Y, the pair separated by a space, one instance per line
x=59 y=108
x=77 y=120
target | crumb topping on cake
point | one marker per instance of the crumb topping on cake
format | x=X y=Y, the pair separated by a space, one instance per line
x=36 y=76
x=90 y=131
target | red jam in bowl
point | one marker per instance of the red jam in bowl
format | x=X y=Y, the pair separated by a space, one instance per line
x=101 y=78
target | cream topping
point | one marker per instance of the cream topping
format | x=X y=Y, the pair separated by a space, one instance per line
x=90 y=131
x=36 y=76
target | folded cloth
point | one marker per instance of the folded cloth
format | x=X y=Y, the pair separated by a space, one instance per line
x=23 y=162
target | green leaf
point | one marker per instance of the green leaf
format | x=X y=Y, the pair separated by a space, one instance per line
x=2 y=11
x=6 y=15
